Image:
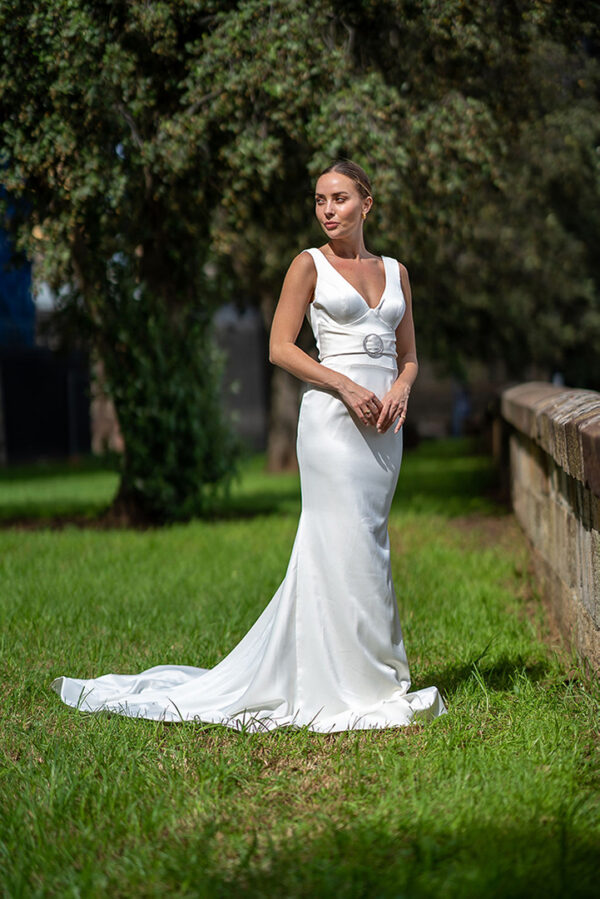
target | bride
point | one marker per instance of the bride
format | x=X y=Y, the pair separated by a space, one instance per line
x=327 y=652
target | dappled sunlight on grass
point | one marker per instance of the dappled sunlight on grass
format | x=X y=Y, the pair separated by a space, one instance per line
x=499 y=797
x=444 y=476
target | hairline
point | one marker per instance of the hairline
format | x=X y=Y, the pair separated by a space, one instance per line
x=363 y=190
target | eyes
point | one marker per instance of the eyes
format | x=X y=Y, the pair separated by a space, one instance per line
x=337 y=198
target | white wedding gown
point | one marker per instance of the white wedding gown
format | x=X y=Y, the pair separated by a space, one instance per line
x=327 y=652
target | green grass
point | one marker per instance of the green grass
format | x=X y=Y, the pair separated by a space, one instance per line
x=53 y=489
x=497 y=798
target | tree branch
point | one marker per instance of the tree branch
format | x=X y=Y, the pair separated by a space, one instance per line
x=137 y=138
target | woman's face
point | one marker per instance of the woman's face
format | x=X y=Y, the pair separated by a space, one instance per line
x=338 y=205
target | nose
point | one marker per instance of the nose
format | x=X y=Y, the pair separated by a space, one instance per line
x=329 y=208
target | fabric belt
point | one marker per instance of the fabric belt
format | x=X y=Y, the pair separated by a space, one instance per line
x=372 y=345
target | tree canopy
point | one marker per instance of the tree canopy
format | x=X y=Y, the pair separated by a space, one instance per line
x=480 y=124
x=148 y=140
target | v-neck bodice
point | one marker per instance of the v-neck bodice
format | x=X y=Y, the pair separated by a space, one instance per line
x=346 y=281
x=342 y=320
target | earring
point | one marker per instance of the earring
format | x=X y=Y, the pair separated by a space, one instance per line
x=364 y=215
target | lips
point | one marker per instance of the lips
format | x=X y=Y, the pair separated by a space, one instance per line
x=331 y=225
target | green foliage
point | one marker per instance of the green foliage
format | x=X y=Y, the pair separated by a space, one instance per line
x=180 y=133
x=85 y=91
x=163 y=373
x=480 y=124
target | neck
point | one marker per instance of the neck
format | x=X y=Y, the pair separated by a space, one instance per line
x=351 y=247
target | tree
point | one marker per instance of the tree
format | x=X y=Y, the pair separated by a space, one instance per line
x=87 y=91
x=479 y=122
x=174 y=133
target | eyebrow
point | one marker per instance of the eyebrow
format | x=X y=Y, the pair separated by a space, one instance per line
x=336 y=193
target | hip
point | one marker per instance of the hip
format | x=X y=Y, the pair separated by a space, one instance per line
x=328 y=430
x=376 y=375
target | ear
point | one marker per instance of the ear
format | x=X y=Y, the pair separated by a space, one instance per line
x=367 y=203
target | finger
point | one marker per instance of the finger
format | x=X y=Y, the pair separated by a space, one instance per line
x=383 y=414
x=366 y=416
x=384 y=424
x=391 y=418
x=370 y=412
x=400 y=422
x=391 y=411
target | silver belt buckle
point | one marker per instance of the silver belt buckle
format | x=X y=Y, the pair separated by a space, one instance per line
x=373 y=345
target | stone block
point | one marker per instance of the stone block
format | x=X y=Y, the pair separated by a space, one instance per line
x=560 y=548
x=590 y=452
x=514 y=446
x=567 y=415
x=583 y=505
x=520 y=507
x=595 y=511
x=573 y=620
x=555 y=486
x=563 y=421
x=522 y=500
x=575 y=427
x=541 y=525
x=569 y=567
x=558 y=595
x=587 y=639
x=595 y=577
x=585 y=570
x=545 y=410
x=519 y=404
x=559 y=484
x=537 y=474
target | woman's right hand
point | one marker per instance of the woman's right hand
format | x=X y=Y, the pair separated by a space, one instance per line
x=363 y=403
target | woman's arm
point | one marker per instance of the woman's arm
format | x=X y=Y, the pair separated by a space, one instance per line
x=298 y=288
x=396 y=399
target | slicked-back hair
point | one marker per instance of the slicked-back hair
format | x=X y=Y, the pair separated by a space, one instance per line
x=353 y=171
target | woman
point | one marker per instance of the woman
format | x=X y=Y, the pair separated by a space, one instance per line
x=327 y=652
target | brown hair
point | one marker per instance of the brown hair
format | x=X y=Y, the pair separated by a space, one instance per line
x=355 y=173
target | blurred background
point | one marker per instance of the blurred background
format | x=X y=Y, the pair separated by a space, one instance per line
x=158 y=163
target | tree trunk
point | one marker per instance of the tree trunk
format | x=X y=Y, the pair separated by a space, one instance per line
x=284 y=397
x=283 y=421
x=3 y=458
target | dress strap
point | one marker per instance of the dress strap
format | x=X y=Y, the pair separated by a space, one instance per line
x=317 y=256
x=392 y=271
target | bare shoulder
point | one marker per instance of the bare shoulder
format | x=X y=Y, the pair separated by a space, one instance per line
x=405 y=283
x=302 y=274
x=303 y=264
x=405 y=280
x=300 y=280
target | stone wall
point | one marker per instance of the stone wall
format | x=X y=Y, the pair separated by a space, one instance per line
x=554 y=451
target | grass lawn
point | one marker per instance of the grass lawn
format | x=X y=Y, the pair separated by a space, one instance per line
x=498 y=798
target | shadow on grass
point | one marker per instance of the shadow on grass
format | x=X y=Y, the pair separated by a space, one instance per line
x=447 y=477
x=57 y=468
x=497 y=676
x=412 y=858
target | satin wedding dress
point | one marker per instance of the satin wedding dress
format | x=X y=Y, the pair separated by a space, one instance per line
x=327 y=652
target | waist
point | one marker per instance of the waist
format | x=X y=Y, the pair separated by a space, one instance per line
x=369 y=346
x=362 y=368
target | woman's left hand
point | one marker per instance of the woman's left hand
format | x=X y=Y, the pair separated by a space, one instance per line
x=394 y=407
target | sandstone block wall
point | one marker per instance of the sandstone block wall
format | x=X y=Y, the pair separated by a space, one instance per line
x=554 y=448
